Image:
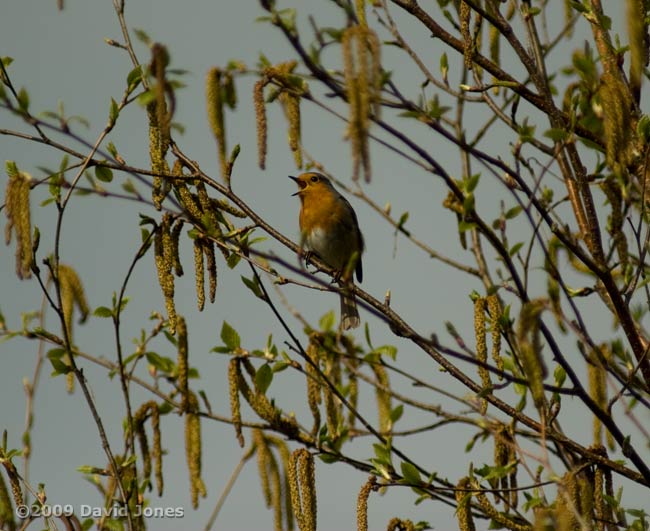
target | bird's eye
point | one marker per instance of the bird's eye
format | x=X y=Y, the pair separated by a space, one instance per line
x=314 y=178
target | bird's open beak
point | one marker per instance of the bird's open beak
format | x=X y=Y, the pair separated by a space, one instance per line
x=295 y=180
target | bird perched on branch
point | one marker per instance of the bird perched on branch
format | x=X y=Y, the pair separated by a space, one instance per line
x=329 y=229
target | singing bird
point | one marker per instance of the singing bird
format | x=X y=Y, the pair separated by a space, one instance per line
x=329 y=229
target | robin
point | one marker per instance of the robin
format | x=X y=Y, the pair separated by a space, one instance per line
x=329 y=229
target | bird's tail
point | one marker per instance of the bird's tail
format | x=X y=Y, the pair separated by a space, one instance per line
x=349 y=313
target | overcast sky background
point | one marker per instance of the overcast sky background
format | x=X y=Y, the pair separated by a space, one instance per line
x=62 y=56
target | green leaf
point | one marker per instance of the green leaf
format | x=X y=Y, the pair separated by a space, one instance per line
x=253 y=285
x=410 y=472
x=396 y=414
x=11 y=168
x=263 y=378
x=513 y=212
x=444 y=65
x=161 y=363
x=23 y=100
x=134 y=78
x=142 y=36
x=387 y=350
x=560 y=376
x=103 y=174
x=114 y=111
x=327 y=322
x=515 y=248
x=56 y=359
x=557 y=135
x=103 y=311
x=230 y=337
x=464 y=226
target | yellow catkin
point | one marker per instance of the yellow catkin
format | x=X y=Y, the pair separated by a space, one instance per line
x=285 y=457
x=463 y=508
x=501 y=454
x=209 y=215
x=158 y=65
x=260 y=121
x=156 y=450
x=618 y=123
x=530 y=349
x=73 y=290
x=362 y=70
x=233 y=392
x=175 y=236
x=480 y=332
x=189 y=201
x=636 y=28
x=214 y=98
x=138 y=426
x=164 y=264
x=291 y=104
x=313 y=386
x=193 y=450
x=260 y=403
x=182 y=363
x=276 y=494
x=397 y=524
x=208 y=250
x=566 y=504
x=494 y=38
x=159 y=123
x=6 y=508
x=612 y=190
x=264 y=458
x=360 y=7
x=18 y=213
x=199 y=272
x=382 y=397
x=499 y=517
x=362 y=503
x=494 y=307
x=512 y=478
x=598 y=392
x=302 y=483
x=465 y=14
